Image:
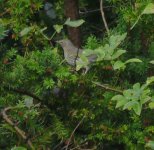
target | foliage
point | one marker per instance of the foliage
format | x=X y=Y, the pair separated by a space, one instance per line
x=56 y=106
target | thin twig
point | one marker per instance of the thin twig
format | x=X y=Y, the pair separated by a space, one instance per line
x=107 y=88
x=95 y=10
x=103 y=17
x=73 y=133
x=18 y=130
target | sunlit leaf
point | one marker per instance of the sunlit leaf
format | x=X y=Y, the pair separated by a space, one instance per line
x=19 y=148
x=130 y=104
x=151 y=105
x=150 y=80
x=149 y=9
x=133 y=60
x=74 y=23
x=150 y=144
x=152 y=62
x=118 y=65
x=28 y=101
x=121 y=102
x=137 y=108
x=117 y=97
x=58 y=28
x=118 y=54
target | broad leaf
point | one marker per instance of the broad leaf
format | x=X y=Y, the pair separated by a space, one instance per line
x=115 y=40
x=118 y=54
x=121 y=102
x=28 y=101
x=150 y=144
x=19 y=148
x=118 y=65
x=130 y=105
x=58 y=28
x=137 y=108
x=133 y=60
x=150 y=80
x=117 y=97
x=75 y=23
x=152 y=62
x=151 y=105
x=149 y=9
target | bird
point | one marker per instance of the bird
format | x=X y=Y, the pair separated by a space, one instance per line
x=72 y=53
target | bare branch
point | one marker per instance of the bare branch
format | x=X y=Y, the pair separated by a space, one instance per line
x=103 y=17
x=107 y=88
x=18 y=130
x=73 y=133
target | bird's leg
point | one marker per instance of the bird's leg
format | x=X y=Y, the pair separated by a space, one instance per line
x=86 y=70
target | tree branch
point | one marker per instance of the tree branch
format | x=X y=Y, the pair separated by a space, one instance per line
x=27 y=93
x=74 y=132
x=107 y=88
x=18 y=130
x=103 y=17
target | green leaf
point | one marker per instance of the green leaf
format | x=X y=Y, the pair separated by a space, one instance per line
x=152 y=62
x=136 y=86
x=58 y=28
x=118 y=54
x=118 y=65
x=145 y=99
x=115 y=40
x=26 y=30
x=149 y=9
x=75 y=23
x=151 y=105
x=150 y=80
x=28 y=101
x=117 y=97
x=130 y=105
x=137 y=108
x=100 y=53
x=128 y=94
x=150 y=144
x=19 y=148
x=121 y=102
x=133 y=60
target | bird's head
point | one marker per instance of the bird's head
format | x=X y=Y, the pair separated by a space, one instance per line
x=64 y=42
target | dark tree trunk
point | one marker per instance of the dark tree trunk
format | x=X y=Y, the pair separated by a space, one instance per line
x=72 y=12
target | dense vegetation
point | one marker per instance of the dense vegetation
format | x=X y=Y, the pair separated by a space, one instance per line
x=48 y=104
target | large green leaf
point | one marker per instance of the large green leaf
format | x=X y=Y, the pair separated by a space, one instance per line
x=149 y=9
x=130 y=104
x=150 y=80
x=74 y=23
x=118 y=65
x=137 y=108
x=133 y=60
x=151 y=105
x=118 y=54
x=152 y=62
x=115 y=40
x=121 y=102
x=19 y=148
x=117 y=97
x=150 y=144
x=28 y=101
